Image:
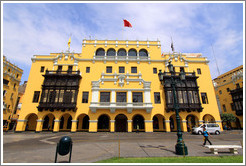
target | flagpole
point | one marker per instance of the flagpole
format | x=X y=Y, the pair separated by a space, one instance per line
x=123 y=29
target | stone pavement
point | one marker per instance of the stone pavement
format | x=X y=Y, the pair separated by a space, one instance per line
x=30 y=147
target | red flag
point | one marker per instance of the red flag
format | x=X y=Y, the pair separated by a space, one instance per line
x=127 y=24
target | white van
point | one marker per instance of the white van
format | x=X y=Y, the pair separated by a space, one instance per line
x=212 y=128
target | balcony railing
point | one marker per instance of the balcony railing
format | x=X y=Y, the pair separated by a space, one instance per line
x=52 y=72
x=94 y=106
x=168 y=74
x=57 y=106
x=185 y=106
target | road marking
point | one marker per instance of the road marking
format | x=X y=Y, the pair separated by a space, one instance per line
x=49 y=142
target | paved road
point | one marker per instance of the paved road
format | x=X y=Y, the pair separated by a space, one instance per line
x=30 y=147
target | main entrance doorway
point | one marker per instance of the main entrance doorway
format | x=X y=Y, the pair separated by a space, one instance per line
x=121 y=123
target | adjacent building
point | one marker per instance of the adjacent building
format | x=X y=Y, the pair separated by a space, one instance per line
x=11 y=79
x=113 y=86
x=229 y=94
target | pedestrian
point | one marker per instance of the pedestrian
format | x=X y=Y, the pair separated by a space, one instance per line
x=205 y=134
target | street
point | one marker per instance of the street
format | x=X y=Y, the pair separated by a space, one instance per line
x=30 y=147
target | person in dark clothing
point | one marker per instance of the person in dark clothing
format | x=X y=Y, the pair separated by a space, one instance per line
x=205 y=134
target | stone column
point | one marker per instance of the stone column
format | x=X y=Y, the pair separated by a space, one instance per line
x=56 y=125
x=39 y=125
x=112 y=125
x=74 y=126
x=148 y=125
x=92 y=125
x=184 y=125
x=20 y=125
x=167 y=124
x=129 y=125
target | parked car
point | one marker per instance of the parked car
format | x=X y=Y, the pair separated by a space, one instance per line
x=211 y=128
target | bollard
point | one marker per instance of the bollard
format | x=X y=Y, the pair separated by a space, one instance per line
x=64 y=147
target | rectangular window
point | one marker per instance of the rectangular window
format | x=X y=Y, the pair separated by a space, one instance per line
x=196 y=99
x=137 y=97
x=105 y=97
x=59 y=69
x=182 y=69
x=185 y=97
x=228 y=89
x=224 y=107
x=190 y=97
x=120 y=96
x=238 y=86
x=70 y=69
x=134 y=69
x=220 y=92
x=88 y=69
x=169 y=97
x=36 y=96
x=232 y=106
x=4 y=92
x=57 y=96
x=204 y=98
x=199 y=71
x=157 y=97
x=5 y=82
x=85 y=97
x=61 y=96
x=42 y=69
x=180 y=97
x=121 y=69
x=12 y=94
x=154 y=70
x=109 y=69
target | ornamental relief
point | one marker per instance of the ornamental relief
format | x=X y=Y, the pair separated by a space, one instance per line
x=121 y=79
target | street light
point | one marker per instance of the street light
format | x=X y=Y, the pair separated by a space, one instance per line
x=180 y=147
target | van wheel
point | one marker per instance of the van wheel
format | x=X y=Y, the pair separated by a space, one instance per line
x=199 y=132
x=217 y=132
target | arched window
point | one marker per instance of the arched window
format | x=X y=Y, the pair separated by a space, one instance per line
x=100 y=52
x=121 y=52
x=143 y=53
x=132 y=52
x=111 y=52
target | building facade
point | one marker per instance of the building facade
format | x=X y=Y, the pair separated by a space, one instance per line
x=11 y=79
x=229 y=94
x=113 y=85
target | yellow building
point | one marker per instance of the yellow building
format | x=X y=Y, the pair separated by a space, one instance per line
x=229 y=94
x=11 y=79
x=113 y=85
x=21 y=92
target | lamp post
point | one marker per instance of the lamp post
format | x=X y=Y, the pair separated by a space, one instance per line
x=180 y=147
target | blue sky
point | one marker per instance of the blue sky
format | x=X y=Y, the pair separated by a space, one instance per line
x=41 y=28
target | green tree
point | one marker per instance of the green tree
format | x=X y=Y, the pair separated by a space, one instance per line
x=228 y=118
